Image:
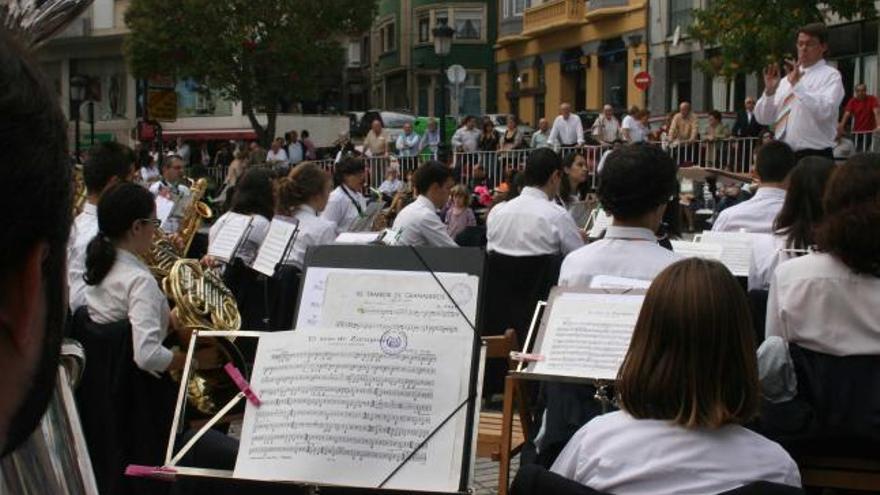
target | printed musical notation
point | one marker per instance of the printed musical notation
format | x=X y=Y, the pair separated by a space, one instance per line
x=275 y=245
x=736 y=249
x=347 y=409
x=587 y=335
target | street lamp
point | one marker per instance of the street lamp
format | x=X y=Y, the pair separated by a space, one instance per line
x=77 y=96
x=442 y=45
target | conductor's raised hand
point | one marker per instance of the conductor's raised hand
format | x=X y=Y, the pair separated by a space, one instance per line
x=771 y=79
x=792 y=72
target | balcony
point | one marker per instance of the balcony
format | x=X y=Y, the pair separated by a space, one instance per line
x=553 y=15
x=600 y=9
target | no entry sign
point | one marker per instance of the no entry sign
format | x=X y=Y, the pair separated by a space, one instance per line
x=642 y=80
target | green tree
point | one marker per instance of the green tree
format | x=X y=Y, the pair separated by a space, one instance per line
x=753 y=33
x=256 y=52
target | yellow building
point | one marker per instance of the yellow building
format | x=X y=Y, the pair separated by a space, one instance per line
x=581 y=52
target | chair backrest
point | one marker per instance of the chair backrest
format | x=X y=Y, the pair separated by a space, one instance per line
x=284 y=297
x=251 y=294
x=500 y=346
x=764 y=488
x=533 y=479
x=758 y=304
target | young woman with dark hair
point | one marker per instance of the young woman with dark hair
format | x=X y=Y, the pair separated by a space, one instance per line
x=795 y=225
x=120 y=285
x=254 y=196
x=827 y=301
x=302 y=195
x=346 y=203
x=575 y=173
x=687 y=385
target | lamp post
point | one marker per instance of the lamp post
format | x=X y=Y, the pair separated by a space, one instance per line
x=442 y=45
x=77 y=95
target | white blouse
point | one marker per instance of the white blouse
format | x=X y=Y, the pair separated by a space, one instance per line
x=313 y=231
x=341 y=209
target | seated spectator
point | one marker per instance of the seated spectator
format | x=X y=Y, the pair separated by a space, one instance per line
x=459 y=216
x=687 y=385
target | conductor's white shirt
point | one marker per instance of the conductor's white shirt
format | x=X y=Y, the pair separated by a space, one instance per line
x=341 y=209
x=817 y=302
x=419 y=225
x=755 y=215
x=566 y=132
x=812 y=123
x=628 y=252
x=616 y=453
x=531 y=225
x=85 y=228
x=248 y=248
x=130 y=292
x=313 y=231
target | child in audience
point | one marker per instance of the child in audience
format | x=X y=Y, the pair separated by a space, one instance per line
x=460 y=216
x=688 y=383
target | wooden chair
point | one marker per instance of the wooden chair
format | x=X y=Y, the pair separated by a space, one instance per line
x=502 y=435
x=840 y=473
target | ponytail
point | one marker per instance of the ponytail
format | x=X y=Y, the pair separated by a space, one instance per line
x=100 y=257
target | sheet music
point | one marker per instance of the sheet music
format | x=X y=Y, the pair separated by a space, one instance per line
x=348 y=409
x=580 y=212
x=275 y=244
x=601 y=223
x=229 y=236
x=357 y=237
x=587 y=335
x=365 y=222
x=387 y=299
x=164 y=207
x=736 y=253
x=611 y=282
x=706 y=250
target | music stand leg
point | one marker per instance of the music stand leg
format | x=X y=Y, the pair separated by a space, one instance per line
x=506 y=435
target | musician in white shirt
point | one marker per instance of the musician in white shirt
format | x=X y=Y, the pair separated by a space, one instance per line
x=803 y=106
x=170 y=188
x=773 y=163
x=828 y=301
x=121 y=287
x=254 y=196
x=532 y=224
x=108 y=164
x=796 y=222
x=688 y=383
x=302 y=195
x=418 y=223
x=346 y=203
x=567 y=129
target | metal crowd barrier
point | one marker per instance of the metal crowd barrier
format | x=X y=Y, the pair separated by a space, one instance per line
x=865 y=142
x=497 y=164
x=733 y=154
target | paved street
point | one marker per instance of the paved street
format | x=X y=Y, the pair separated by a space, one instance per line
x=486 y=476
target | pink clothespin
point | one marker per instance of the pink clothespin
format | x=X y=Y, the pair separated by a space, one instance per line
x=242 y=384
x=524 y=357
x=138 y=471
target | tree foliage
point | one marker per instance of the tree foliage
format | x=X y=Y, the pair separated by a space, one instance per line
x=753 y=33
x=256 y=52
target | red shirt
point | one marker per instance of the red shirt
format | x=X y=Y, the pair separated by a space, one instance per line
x=863 y=113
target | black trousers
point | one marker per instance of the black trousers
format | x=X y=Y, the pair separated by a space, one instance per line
x=825 y=153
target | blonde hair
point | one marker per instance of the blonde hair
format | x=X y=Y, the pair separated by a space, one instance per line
x=461 y=191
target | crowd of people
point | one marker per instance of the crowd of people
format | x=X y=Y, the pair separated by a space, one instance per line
x=701 y=403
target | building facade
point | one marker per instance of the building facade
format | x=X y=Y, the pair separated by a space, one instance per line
x=574 y=51
x=405 y=70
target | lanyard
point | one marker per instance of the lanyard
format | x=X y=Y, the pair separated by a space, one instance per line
x=353 y=201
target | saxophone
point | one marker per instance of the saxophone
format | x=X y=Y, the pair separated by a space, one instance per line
x=196 y=212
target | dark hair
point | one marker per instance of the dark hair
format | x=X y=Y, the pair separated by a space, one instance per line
x=166 y=162
x=119 y=207
x=254 y=194
x=692 y=358
x=302 y=183
x=37 y=204
x=565 y=191
x=106 y=161
x=774 y=161
x=304 y=134
x=635 y=180
x=540 y=166
x=348 y=166
x=431 y=172
x=715 y=114
x=816 y=30
x=802 y=209
x=850 y=229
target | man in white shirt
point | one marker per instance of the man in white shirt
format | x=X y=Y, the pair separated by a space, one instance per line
x=430 y=141
x=541 y=137
x=467 y=137
x=803 y=106
x=107 y=165
x=532 y=224
x=419 y=224
x=774 y=162
x=407 y=147
x=277 y=157
x=633 y=128
x=170 y=188
x=606 y=127
x=295 y=149
x=567 y=129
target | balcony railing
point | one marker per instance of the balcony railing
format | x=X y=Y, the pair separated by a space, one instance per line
x=553 y=15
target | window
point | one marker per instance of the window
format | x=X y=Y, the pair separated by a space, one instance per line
x=472 y=95
x=468 y=24
x=389 y=39
x=107 y=85
x=194 y=99
x=680 y=15
x=441 y=17
x=515 y=8
x=425 y=27
x=354 y=54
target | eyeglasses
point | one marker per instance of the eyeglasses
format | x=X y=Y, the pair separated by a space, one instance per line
x=155 y=222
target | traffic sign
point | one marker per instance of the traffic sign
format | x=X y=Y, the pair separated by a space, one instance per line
x=642 y=80
x=456 y=74
x=162 y=105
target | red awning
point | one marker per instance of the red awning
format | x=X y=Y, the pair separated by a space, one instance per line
x=210 y=134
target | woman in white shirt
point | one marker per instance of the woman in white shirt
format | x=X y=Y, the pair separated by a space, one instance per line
x=573 y=186
x=254 y=196
x=346 y=203
x=302 y=195
x=795 y=223
x=687 y=384
x=120 y=285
